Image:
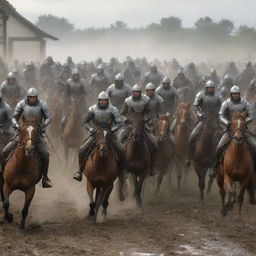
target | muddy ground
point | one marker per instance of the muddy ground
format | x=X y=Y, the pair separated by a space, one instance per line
x=170 y=224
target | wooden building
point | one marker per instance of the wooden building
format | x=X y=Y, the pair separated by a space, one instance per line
x=19 y=38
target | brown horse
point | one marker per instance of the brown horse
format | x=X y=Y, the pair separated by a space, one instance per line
x=185 y=120
x=101 y=170
x=237 y=165
x=22 y=169
x=164 y=156
x=73 y=129
x=204 y=156
x=138 y=157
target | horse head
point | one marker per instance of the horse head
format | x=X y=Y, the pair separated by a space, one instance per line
x=184 y=114
x=29 y=135
x=163 y=125
x=138 y=125
x=102 y=137
x=238 y=126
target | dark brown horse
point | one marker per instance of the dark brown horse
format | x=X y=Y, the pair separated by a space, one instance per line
x=237 y=166
x=101 y=171
x=204 y=155
x=22 y=172
x=185 y=120
x=163 y=158
x=138 y=158
x=73 y=129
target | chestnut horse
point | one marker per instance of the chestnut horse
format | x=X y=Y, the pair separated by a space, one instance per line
x=237 y=166
x=185 y=120
x=138 y=157
x=73 y=129
x=101 y=170
x=22 y=171
x=165 y=153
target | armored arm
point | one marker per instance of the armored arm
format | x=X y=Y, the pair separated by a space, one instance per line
x=46 y=115
x=88 y=119
x=117 y=120
x=197 y=104
x=223 y=112
x=249 y=117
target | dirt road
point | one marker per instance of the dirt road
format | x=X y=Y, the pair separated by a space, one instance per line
x=170 y=224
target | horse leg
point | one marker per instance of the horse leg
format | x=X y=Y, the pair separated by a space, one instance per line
x=240 y=199
x=179 y=176
x=210 y=181
x=159 y=182
x=220 y=181
x=92 y=204
x=7 y=193
x=228 y=184
x=102 y=195
x=121 y=185
x=201 y=176
x=251 y=191
x=139 y=188
x=28 y=198
x=2 y=186
x=66 y=154
x=105 y=201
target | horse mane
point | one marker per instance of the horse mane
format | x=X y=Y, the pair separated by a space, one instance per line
x=30 y=121
x=236 y=115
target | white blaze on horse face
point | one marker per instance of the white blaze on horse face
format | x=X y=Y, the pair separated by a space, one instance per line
x=105 y=134
x=239 y=123
x=30 y=129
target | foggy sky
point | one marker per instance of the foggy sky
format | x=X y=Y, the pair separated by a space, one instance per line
x=138 y=13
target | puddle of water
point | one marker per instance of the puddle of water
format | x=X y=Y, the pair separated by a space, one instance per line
x=189 y=249
x=139 y=254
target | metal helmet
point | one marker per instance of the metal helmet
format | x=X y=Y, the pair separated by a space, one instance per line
x=103 y=96
x=65 y=65
x=166 y=80
x=213 y=71
x=136 y=87
x=152 y=65
x=69 y=59
x=119 y=77
x=180 y=72
x=29 y=63
x=32 y=92
x=75 y=72
x=234 y=89
x=11 y=75
x=101 y=66
x=150 y=86
x=209 y=83
x=227 y=76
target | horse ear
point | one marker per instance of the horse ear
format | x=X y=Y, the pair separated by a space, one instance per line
x=188 y=105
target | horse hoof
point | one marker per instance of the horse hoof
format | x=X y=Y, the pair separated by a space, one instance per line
x=22 y=226
x=253 y=202
x=9 y=218
x=224 y=212
x=229 y=205
x=91 y=213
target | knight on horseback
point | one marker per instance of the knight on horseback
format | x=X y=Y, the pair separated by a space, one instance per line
x=206 y=105
x=32 y=107
x=137 y=103
x=232 y=105
x=100 y=115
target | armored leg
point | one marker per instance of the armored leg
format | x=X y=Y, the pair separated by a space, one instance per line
x=123 y=135
x=223 y=143
x=174 y=125
x=44 y=159
x=192 y=143
x=83 y=153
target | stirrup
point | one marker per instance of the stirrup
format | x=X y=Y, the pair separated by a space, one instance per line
x=187 y=163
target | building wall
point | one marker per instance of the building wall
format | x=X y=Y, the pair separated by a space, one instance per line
x=17 y=49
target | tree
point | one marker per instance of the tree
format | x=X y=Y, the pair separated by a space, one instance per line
x=171 y=24
x=55 y=25
x=118 y=25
